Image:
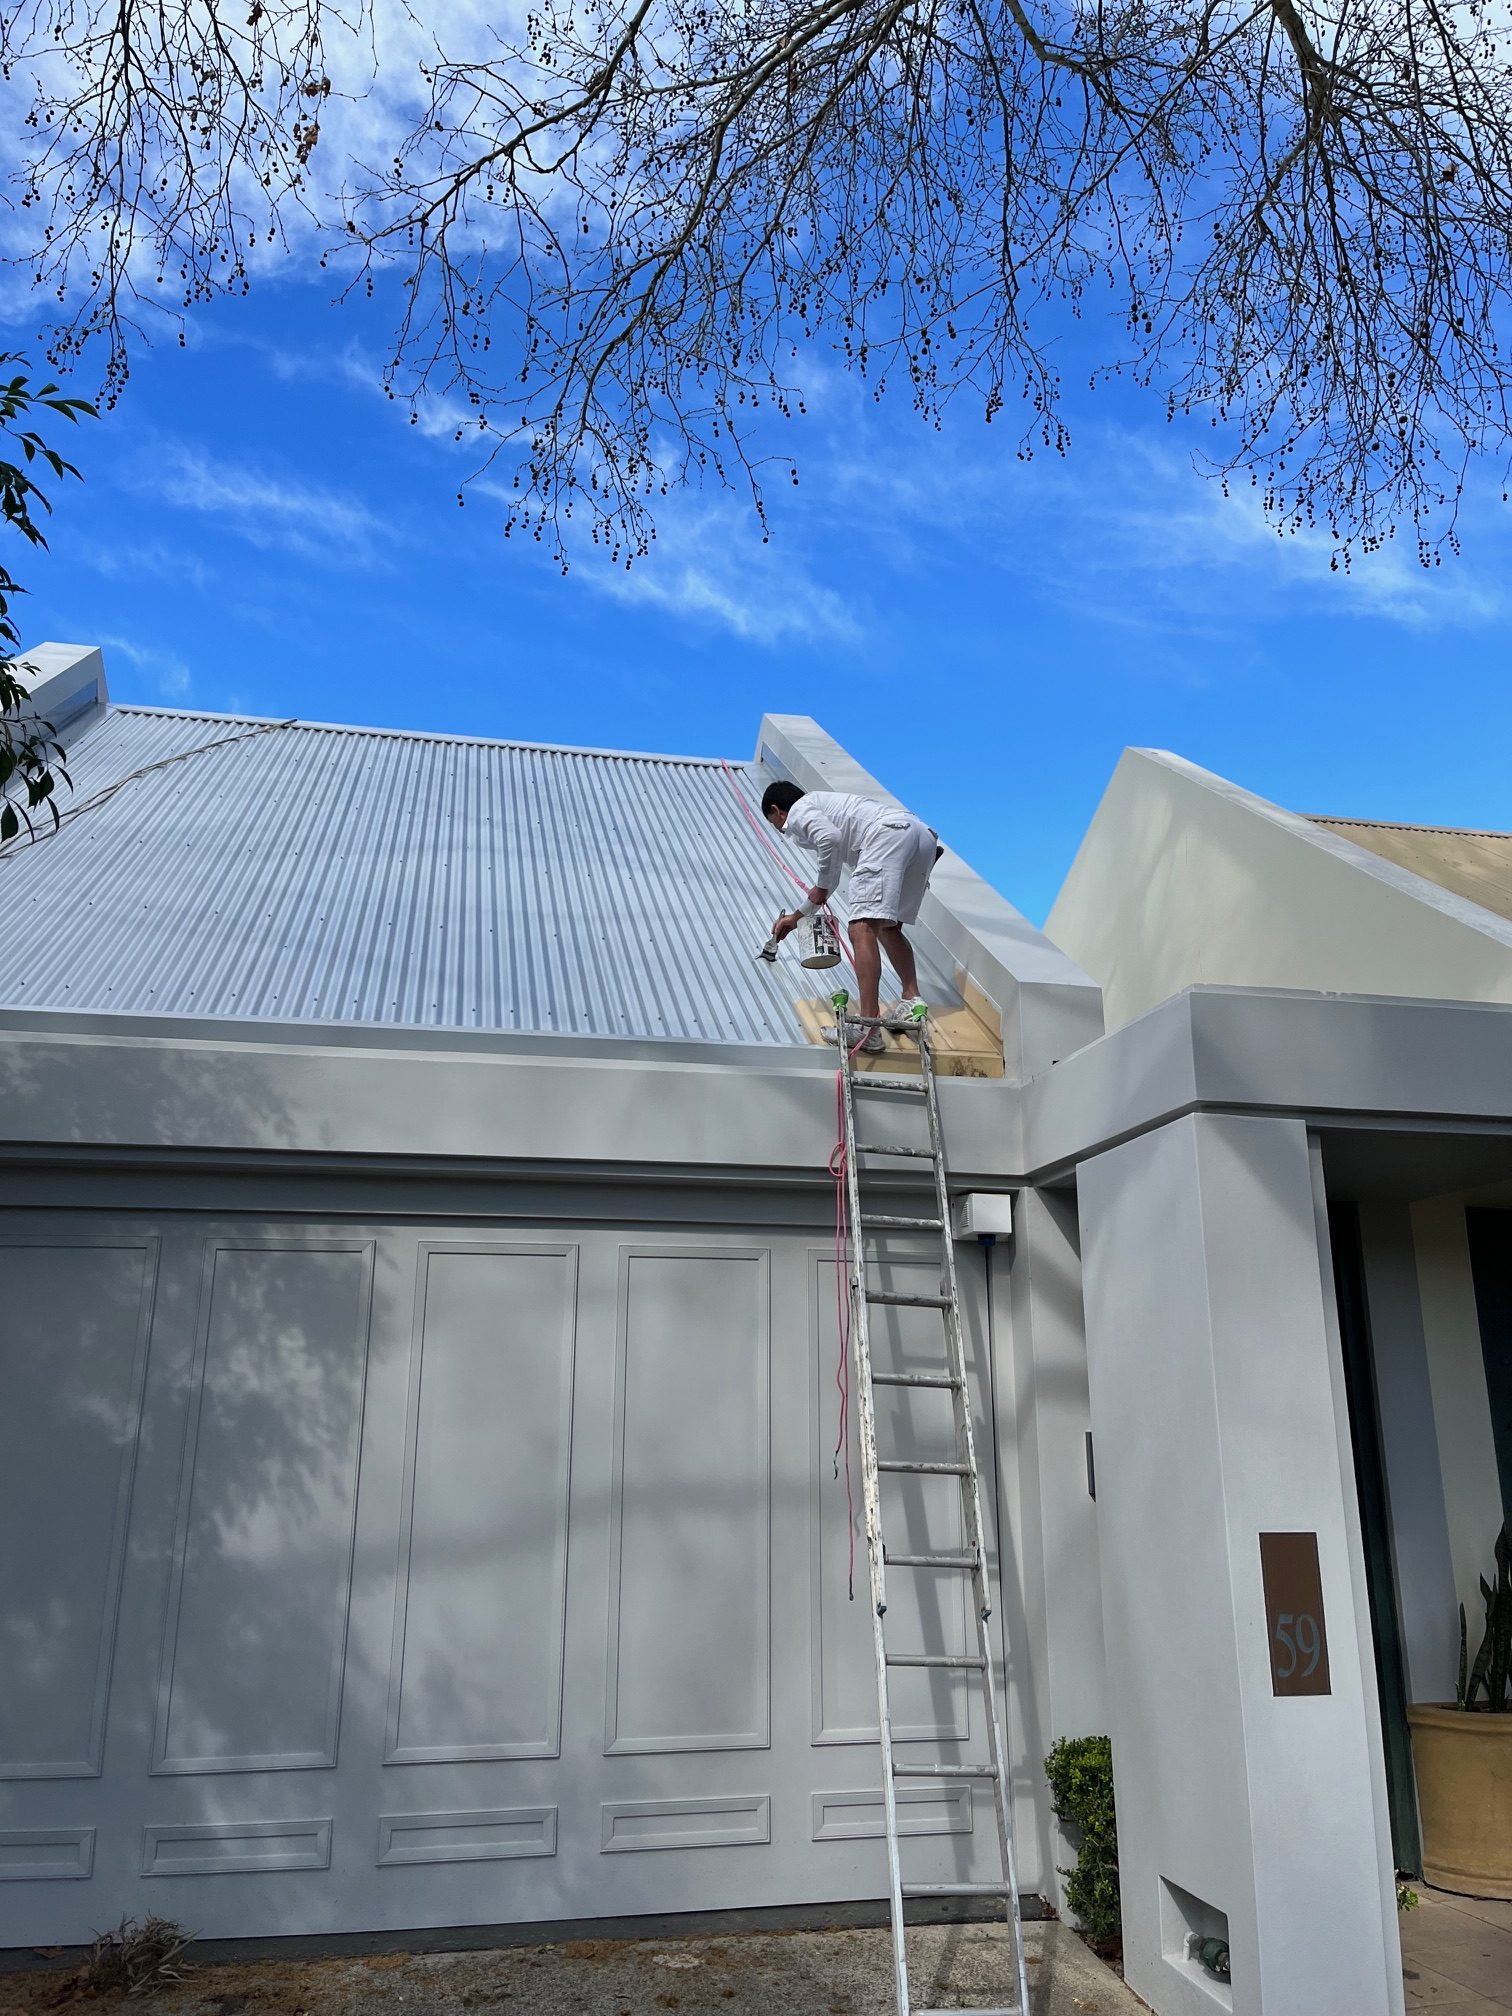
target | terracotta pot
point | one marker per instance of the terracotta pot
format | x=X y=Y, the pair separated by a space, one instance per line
x=1464 y=1786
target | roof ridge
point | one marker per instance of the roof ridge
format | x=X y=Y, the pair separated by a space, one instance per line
x=1404 y=826
x=427 y=735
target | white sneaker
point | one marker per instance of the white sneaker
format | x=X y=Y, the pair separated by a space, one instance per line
x=907 y=1013
x=872 y=1042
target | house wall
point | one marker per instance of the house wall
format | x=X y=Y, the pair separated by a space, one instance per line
x=1183 y=879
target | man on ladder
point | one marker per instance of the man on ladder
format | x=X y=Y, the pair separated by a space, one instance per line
x=890 y=855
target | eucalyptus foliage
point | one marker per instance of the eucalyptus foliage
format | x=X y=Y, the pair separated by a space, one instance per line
x=31 y=756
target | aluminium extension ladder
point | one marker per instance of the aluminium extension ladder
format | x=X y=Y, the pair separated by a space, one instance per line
x=972 y=1561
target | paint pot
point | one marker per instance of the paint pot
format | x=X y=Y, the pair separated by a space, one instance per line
x=824 y=943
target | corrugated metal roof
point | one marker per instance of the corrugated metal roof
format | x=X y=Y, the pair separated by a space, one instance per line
x=1470 y=864
x=338 y=875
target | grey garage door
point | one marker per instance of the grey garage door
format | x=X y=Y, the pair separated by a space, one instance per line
x=381 y=1575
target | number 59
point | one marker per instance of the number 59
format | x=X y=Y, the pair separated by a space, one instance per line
x=1305 y=1646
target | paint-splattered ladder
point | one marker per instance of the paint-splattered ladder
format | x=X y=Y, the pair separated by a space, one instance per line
x=972 y=1559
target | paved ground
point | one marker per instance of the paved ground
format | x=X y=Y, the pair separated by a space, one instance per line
x=1457 y=1955
x=748 y=1974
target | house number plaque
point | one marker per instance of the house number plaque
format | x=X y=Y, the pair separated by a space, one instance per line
x=1294 y=1613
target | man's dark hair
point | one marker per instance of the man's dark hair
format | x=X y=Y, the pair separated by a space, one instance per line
x=779 y=798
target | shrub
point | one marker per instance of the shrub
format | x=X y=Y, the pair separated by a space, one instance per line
x=1080 y=1774
x=134 y=1959
x=1491 y=1674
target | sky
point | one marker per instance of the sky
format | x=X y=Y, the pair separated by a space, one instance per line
x=260 y=530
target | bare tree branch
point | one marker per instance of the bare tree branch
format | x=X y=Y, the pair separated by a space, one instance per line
x=622 y=232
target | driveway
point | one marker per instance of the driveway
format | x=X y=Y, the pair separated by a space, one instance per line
x=832 y=1973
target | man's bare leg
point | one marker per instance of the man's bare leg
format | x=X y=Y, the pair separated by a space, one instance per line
x=899 y=956
x=868 y=963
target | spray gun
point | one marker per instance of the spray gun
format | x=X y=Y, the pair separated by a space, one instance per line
x=821 y=939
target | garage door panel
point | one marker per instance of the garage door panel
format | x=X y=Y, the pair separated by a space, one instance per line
x=690 y=1549
x=481 y=1599
x=72 y=1365
x=251 y=1677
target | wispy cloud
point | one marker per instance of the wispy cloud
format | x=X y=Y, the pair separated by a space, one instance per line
x=1195 y=549
x=446 y=417
x=267 y=510
x=135 y=560
x=169 y=676
x=710 y=569
x=1125 y=528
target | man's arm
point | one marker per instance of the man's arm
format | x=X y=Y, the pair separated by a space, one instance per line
x=812 y=829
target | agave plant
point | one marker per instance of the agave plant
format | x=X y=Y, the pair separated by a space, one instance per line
x=1491 y=1674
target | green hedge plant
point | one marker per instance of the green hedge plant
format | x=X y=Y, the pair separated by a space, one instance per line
x=1080 y=1774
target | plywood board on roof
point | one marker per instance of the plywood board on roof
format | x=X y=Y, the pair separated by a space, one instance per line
x=963 y=1045
x=1477 y=866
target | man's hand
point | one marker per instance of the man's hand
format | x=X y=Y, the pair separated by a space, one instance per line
x=786 y=924
x=818 y=897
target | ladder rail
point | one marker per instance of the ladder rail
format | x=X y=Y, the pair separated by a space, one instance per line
x=871 y=1496
x=971 y=1492
x=973 y=1560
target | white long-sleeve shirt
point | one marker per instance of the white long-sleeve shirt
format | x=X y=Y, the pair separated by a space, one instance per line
x=835 y=826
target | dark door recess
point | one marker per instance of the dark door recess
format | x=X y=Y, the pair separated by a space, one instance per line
x=1375 y=1527
x=1490 y=1234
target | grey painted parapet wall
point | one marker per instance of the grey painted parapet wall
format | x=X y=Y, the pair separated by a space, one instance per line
x=64 y=681
x=1048 y=1005
x=1183 y=878
x=1379 y=1062
x=81 y=1086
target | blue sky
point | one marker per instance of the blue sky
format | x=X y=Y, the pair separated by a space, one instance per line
x=261 y=530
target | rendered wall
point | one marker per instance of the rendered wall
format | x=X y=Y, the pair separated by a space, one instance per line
x=1183 y=879
x=1218 y=1412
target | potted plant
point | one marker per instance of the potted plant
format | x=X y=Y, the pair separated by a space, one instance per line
x=1463 y=1756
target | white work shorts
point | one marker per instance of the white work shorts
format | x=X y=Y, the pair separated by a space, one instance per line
x=888 y=882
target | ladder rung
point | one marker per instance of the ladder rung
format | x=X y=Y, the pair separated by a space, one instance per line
x=917 y=2011
x=887 y=1148
x=898 y=1301
x=905 y=1466
x=944 y=1771
x=880 y=1022
x=972 y=1659
x=929 y=1560
x=876 y=1221
x=943 y=1379
x=955 y=1889
x=873 y=1081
